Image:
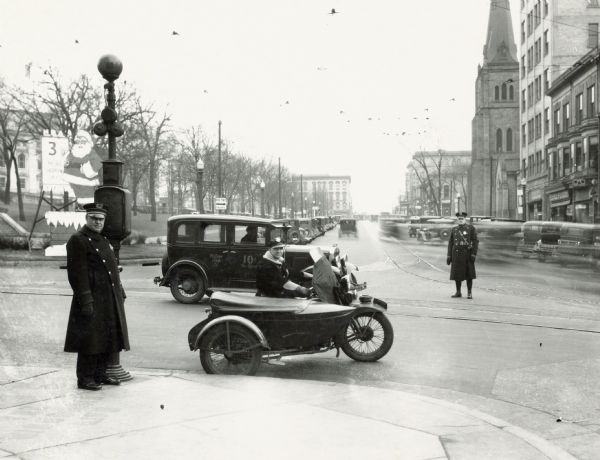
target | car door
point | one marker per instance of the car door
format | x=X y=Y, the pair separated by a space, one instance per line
x=210 y=250
x=248 y=245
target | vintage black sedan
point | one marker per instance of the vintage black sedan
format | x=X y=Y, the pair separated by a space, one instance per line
x=219 y=252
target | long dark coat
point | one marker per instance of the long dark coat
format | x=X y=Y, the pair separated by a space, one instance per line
x=461 y=236
x=94 y=277
x=270 y=277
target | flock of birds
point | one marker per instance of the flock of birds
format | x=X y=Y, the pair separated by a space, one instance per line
x=423 y=118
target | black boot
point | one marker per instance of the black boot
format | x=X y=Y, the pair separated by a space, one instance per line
x=456 y=294
x=469 y=295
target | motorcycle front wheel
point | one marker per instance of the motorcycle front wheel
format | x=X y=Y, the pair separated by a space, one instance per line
x=368 y=337
x=230 y=349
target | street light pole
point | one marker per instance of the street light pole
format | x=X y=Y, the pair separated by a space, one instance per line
x=220 y=184
x=279 y=184
x=262 y=198
x=199 y=172
x=301 y=199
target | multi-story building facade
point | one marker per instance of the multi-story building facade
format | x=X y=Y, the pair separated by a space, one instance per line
x=437 y=183
x=571 y=192
x=322 y=194
x=495 y=126
x=554 y=34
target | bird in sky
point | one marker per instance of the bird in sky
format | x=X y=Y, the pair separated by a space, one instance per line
x=321 y=68
x=453 y=99
x=341 y=111
x=204 y=91
x=76 y=41
x=415 y=118
x=426 y=109
x=403 y=133
x=174 y=33
x=333 y=11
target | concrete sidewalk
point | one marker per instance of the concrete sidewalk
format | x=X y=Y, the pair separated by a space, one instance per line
x=163 y=415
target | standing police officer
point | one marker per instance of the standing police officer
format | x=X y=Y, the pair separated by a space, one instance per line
x=462 y=250
x=97 y=325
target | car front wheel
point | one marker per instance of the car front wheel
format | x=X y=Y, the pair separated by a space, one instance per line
x=187 y=285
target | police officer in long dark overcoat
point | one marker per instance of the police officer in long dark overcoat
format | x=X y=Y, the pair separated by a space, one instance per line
x=462 y=251
x=97 y=325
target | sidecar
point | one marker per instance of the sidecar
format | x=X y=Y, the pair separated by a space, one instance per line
x=243 y=330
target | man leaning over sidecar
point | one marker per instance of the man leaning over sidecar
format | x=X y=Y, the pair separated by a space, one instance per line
x=272 y=275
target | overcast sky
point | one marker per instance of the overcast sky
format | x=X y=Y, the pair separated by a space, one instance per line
x=327 y=93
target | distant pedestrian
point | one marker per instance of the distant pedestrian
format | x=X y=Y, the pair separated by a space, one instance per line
x=97 y=326
x=462 y=251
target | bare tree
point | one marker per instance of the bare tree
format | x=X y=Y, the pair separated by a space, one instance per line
x=428 y=170
x=12 y=135
x=153 y=129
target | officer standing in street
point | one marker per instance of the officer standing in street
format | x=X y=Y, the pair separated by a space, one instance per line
x=462 y=251
x=97 y=325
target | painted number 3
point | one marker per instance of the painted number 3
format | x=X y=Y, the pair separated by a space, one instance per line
x=52 y=148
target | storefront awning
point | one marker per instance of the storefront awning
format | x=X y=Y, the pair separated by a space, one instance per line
x=560 y=203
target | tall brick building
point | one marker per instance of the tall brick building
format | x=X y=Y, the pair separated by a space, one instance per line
x=495 y=126
x=554 y=35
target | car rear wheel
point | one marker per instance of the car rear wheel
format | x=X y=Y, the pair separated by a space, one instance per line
x=230 y=349
x=368 y=337
x=187 y=285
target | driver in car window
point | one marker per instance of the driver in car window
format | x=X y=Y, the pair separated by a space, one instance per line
x=272 y=275
x=251 y=235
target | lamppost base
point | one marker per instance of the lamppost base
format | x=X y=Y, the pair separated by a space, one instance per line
x=115 y=370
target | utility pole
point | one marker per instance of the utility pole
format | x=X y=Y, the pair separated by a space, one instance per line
x=220 y=177
x=279 y=180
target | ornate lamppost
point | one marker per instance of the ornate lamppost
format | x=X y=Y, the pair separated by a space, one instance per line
x=199 y=172
x=111 y=193
x=262 y=198
x=457 y=201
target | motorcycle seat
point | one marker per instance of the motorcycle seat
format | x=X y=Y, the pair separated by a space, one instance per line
x=227 y=301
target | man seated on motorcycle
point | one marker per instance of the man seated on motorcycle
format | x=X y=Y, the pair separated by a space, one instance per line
x=272 y=275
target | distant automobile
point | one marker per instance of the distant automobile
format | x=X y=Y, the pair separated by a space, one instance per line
x=348 y=227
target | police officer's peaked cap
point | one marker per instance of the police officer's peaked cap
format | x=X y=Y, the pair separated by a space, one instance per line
x=95 y=208
x=463 y=214
x=276 y=243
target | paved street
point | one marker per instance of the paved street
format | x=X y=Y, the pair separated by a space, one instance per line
x=526 y=344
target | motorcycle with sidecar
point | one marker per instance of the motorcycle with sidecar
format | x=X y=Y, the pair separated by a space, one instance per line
x=241 y=330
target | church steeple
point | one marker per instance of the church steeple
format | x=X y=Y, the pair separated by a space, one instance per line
x=500 y=44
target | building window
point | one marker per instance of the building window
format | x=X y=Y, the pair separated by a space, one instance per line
x=446 y=192
x=530 y=59
x=546 y=120
x=546 y=8
x=509 y=140
x=2 y=182
x=578 y=156
x=546 y=80
x=566 y=116
x=538 y=88
x=536 y=14
x=511 y=93
x=566 y=158
x=530 y=95
x=544 y=160
x=538 y=50
x=591 y=101
x=593 y=152
x=523 y=101
x=554 y=170
x=523 y=135
x=530 y=130
x=523 y=32
x=496 y=93
x=22 y=183
x=523 y=66
x=593 y=35
x=21 y=161
x=546 y=43
x=538 y=126
x=529 y=24
x=503 y=91
x=578 y=108
x=556 y=122
x=498 y=140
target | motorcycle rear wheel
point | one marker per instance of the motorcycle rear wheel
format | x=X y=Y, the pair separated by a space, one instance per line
x=240 y=355
x=368 y=337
